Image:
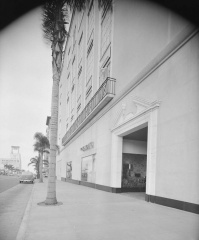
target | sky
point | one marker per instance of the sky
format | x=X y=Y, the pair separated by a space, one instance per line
x=25 y=85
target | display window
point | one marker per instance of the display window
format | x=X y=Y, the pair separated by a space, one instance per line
x=69 y=170
x=88 y=169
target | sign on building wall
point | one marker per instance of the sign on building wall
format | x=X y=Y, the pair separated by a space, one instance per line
x=88 y=146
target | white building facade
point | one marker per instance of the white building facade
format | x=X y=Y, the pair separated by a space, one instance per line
x=128 y=103
x=15 y=158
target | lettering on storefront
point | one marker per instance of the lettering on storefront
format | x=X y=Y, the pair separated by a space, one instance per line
x=88 y=146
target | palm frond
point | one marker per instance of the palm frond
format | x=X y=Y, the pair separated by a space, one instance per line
x=34 y=160
x=37 y=146
x=105 y=3
x=41 y=142
x=57 y=11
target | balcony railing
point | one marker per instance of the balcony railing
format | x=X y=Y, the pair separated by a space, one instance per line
x=104 y=94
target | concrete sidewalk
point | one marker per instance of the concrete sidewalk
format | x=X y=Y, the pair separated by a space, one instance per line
x=90 y=214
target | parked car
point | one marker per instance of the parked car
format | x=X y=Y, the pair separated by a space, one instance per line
x=26 y=177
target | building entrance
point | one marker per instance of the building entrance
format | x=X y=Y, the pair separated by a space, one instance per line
x=130 y=134
x=134 y=161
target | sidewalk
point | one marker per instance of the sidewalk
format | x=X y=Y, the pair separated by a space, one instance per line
x=90 y=214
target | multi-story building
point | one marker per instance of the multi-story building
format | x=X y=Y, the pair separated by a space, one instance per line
x=15 y=158
x=128 y=103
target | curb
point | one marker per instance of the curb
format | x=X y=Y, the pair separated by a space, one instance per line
x=23 y=227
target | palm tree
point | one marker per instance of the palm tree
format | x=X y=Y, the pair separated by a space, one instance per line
x=46 y=161
x=40 y=145
x=55 y=13
x=9 y=167
x=35 y=162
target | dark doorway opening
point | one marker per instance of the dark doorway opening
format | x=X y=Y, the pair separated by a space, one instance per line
x=134 y=162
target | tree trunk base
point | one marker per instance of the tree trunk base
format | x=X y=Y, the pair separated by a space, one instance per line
x=51 y=201
x=49 y=204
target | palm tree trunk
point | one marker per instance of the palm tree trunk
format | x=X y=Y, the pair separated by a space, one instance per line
x=51 y=191
x=59 y=34
x=40 y=167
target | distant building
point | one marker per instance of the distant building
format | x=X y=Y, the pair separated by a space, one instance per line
x=15 y=158
x=128 y=103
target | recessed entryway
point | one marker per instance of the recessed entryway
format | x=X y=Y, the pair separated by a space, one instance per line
x=134 y=162
x=137 y=127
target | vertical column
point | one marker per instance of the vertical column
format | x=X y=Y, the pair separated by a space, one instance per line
x=152 y=153
x=116 y=161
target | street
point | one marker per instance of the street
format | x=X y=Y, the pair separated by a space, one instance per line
x=7 y=182
x=13 y=201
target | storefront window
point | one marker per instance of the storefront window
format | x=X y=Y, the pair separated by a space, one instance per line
x=88 y=170
x=69 y=170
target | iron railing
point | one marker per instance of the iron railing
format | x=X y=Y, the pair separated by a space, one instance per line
x=107 y=88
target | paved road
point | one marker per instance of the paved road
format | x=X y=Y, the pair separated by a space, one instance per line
x=7 y=182
x=13 y=203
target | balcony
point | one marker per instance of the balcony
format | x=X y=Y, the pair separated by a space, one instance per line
x=104 y=95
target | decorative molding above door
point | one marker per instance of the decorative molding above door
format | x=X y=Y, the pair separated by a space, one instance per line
x=134 y=108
